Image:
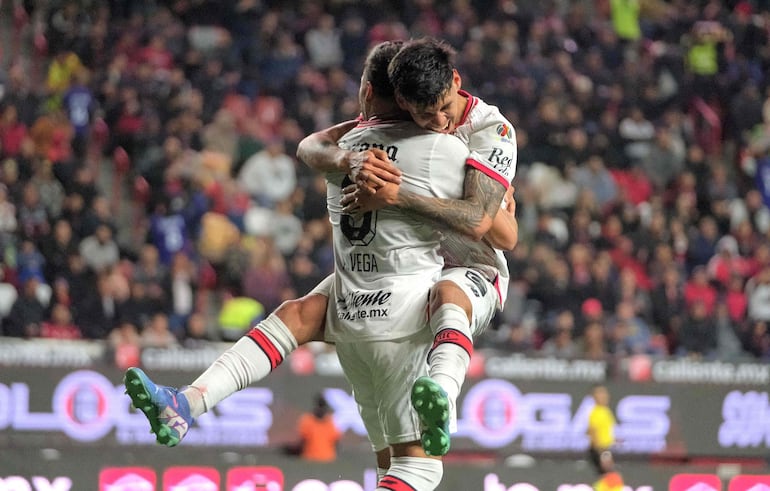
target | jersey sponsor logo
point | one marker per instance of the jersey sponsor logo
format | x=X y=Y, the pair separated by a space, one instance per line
x=500 y=161
x=505 y=132
x=357 y=305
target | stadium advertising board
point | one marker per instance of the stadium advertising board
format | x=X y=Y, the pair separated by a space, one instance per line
x=503 y=417
x=108 y=471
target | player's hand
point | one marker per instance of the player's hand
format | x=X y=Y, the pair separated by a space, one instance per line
x=355 y=200
x=372 y=169
x=509 y=202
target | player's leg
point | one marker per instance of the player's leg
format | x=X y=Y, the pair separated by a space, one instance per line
x=171 y=411
x=462 y=304
x=401 y=362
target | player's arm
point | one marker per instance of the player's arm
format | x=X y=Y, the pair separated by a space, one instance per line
x=319 y=151
x=504 y=233
x=473 y=215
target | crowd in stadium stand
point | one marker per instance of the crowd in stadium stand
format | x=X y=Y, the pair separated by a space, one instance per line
x=641 y=128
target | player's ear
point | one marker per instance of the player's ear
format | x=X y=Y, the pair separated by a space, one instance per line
x=401 y=102
x=457 y=81
x=368 y=91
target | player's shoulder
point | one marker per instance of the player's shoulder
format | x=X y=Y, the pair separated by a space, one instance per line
x=488 y=116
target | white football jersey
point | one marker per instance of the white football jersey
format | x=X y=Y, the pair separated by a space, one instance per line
x=386 y=261
x=492 y=143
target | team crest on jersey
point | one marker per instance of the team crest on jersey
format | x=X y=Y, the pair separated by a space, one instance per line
x=504 y=131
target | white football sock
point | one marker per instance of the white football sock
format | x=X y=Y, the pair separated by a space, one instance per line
x=417 y=473
x=452 y=348
x=250 y=359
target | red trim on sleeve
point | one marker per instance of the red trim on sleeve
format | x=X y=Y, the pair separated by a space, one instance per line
x=486 y=170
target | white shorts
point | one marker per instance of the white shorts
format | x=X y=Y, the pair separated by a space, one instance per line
x=381 y=374
x=483 y=295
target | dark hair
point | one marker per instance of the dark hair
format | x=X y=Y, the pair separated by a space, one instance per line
x=376 y=67
x=422 y=72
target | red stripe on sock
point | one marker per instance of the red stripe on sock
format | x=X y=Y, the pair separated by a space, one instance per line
x=452 y=336
x=394 y=484
x=266 y=346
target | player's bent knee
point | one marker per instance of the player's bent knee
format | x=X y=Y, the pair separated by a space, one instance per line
x=447 y=292
x=304 y=317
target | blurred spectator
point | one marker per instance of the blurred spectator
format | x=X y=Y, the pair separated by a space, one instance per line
x=182 y=279
x=756 y=340
x=97 y=311
x=156 y=333
x=592 y=344
x=727 y=262
x=30 y=262
x=12 y=131
x=154 y=276
x=27 y=313
x=269 y=176
x=237 y=316
x=33 y=218
x=8 y=223
x=60 y=325
x=669 y=306
x=698 y=289
x=266 y=278
x=168 y=232
x=593 y=175
x=758 y=296
x=561 y=343
x=49 y=187
x=80 y=105
x=100 y=250
x=698 y=336
x=323 y=45
x=665 y=159
x=637 y=133
x=196 y=332
x=125 y=342
x=629 y=333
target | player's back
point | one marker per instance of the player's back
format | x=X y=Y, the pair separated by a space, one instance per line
x=387 y=260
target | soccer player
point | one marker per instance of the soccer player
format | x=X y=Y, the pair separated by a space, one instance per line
x=385 y=264
x=475 y=281
x=298 y=321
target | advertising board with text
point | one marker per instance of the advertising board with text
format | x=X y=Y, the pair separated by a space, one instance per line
x=88 y=407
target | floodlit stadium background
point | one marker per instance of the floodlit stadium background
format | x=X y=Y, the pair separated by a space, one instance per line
x=642 y=191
